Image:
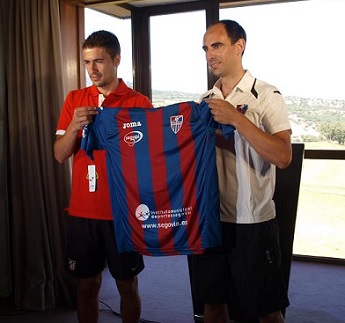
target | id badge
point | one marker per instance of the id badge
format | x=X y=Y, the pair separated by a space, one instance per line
x=92 y=177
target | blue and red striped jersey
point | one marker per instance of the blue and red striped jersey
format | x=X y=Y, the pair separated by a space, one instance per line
x=161 y=165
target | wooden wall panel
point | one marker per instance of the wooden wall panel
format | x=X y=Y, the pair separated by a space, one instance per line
x=72 y=33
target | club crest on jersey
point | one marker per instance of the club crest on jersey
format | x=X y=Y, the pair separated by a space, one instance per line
x=133 y=137
x=242 y=108
x=176 y=123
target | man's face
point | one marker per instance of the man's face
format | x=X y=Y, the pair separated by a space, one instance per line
x=101 y=68
x=222 y=56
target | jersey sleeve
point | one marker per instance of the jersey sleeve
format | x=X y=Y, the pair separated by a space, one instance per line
x=205 y=115
x=204 y=110
x=94 y=135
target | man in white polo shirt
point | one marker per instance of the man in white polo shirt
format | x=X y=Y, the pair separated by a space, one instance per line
x=245 y=275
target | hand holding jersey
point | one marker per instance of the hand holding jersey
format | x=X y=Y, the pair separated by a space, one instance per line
x=223 y=111
x=82 y=116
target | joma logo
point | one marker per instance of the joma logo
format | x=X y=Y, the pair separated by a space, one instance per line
x=132 y=124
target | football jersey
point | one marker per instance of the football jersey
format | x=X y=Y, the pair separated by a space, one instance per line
x=162 y=175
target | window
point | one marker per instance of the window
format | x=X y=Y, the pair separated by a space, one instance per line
x=321 y=219
x=178 y=66
x=94 y=21
x=300 y=49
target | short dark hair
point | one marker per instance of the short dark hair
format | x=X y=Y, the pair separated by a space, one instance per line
x=105 y=39
x=234 y=30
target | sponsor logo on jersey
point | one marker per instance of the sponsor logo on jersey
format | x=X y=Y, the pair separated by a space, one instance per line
x=131 y=124
x=142 y=212
x=133 y=137
x=176 y=123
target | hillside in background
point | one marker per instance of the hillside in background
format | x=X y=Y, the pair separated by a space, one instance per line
x=163 y=98
x=315 y=120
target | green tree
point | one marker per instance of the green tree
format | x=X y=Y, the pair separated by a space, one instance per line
x=333 y=131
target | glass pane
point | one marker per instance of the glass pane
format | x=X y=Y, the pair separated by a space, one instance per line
x=301 y=50
x=320 y=219
x=178 y=65
x=94 y=21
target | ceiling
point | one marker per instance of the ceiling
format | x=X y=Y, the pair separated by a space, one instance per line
x=121 y=8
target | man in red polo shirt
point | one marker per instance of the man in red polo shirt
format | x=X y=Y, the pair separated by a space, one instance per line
x=90 y=236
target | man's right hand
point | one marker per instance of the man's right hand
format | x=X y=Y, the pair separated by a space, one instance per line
x=81 y=117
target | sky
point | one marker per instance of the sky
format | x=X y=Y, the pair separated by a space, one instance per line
x=297 y=46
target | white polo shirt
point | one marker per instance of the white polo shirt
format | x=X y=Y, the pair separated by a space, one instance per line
x=246 y=181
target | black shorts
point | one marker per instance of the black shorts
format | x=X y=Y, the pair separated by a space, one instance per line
x=91 y=244
x=246 y=273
